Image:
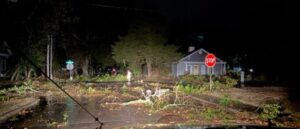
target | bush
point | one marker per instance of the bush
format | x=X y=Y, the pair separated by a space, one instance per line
x=103 y=78
x=211 y=114
x=108 y=77
x=192 y=89
x=269 y=111
x=124 y=89
x=198 y=82
x=193 y=79
x=199 y=79
x=217 y=85
x=181 y=88
x=159 y=103
x=225 y=101
x=228 y=82
x=82 y=78
x=3 y=95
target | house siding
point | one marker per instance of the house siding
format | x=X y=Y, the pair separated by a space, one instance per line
x=218 y=69
x=174 y=69
x=194 y=64
x=181 y=68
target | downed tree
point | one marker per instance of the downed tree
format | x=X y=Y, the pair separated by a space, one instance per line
x=8 y=111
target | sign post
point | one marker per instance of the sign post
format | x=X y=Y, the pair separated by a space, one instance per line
x=210 y=62
x=70 y=67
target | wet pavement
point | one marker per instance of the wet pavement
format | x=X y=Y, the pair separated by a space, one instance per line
x=112 y=115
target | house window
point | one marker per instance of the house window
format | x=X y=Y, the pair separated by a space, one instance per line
x=188 y=69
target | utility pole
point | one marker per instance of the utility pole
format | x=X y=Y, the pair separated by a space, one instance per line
x=49 y=57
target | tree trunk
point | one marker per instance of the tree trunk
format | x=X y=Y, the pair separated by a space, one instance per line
x=149 y=68
x=29 y=73
x=51 y=57
x=85 y=67
x=13 y=77
x=26 y=73
x=18 y=74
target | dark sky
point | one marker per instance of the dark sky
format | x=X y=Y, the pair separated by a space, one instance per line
x=262 y=30
x=224 y=24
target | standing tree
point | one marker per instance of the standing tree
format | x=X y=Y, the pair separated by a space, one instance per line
x=46 y=19
x=24 y=69
x=144 y=44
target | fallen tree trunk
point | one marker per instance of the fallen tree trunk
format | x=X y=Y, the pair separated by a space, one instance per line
x=213 y=104
x=16 y=109
x=15 y=74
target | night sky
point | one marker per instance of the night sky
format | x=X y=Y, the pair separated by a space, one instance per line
x=264 y=32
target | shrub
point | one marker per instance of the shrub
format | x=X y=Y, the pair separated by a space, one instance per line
x=3 y=95
x=124 y=89
x=269 y=111
x=199 y=84
x=197 y=81
x=91 y=90
x=82 y=78
x=193 y=79
x=229 y=82
x=159 y=103
x=192 y=89
x=217 y=85
x=211 y=114
x=225 y=82
x=103 y=78
x=225 y=101
x=108 y=77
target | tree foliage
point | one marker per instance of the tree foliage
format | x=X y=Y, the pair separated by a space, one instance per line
x=144 y=45
x=45 y=19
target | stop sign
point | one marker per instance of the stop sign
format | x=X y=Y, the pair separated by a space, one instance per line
x=210 y=60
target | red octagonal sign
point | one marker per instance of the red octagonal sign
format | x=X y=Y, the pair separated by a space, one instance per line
x=210 y=60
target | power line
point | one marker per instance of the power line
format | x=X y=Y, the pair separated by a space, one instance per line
x=59 y=87
x=121 y=8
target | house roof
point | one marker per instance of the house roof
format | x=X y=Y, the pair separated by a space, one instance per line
x=194 y=57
